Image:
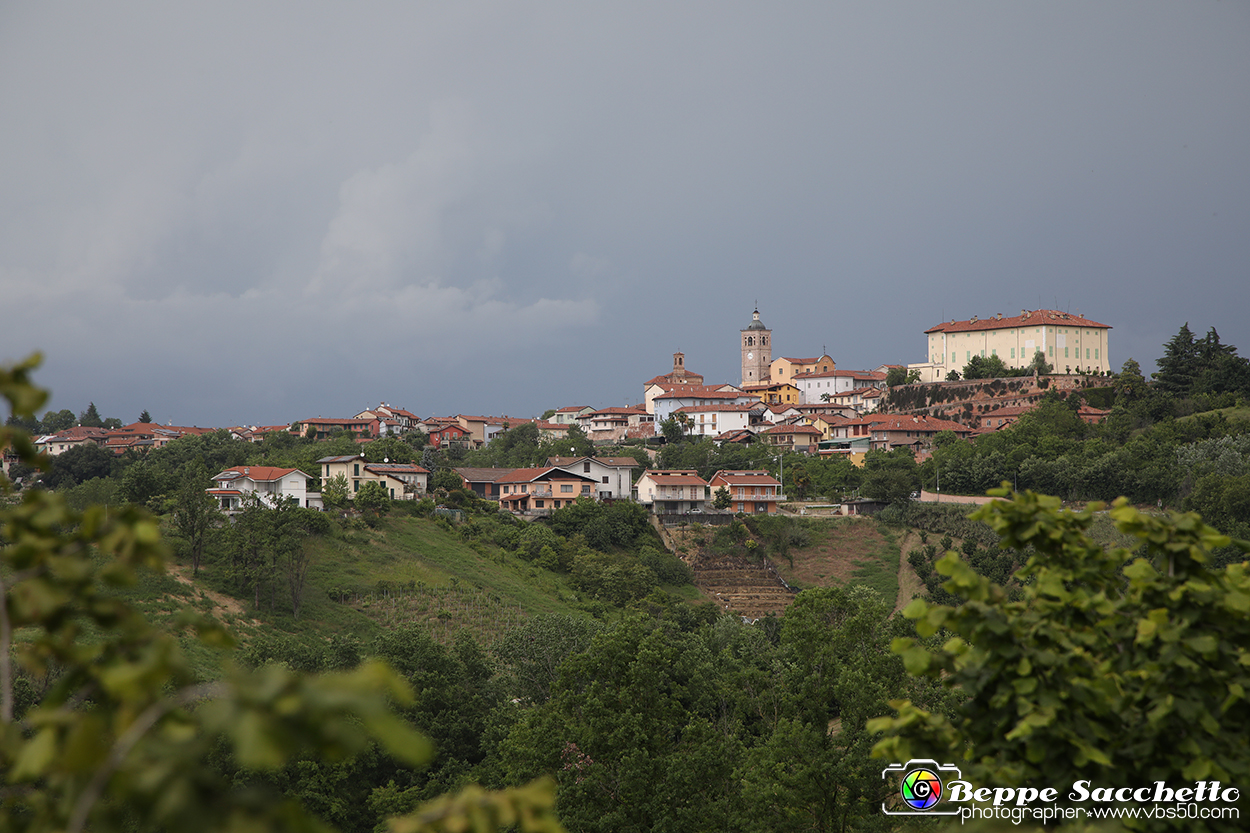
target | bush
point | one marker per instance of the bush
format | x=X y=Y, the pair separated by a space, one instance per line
x=668 y=568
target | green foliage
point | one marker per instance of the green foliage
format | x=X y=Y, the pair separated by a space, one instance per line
x=533 y=653
x=78 y=464
x=1121 y=666
x=90 y=418
x=668 y=568
x=721 y=499
x=195 y=514
x=116 y=731
x=890 y=476
x=335 y=493
x=606 y=526
x=372 y=499
x=613 y=578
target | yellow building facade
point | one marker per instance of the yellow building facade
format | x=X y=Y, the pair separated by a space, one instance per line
x=1070 y=342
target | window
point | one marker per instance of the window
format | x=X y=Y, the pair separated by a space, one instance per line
x=1086 y=352
x=1050 y=349
x=538 y=504
x=356 y=470
x=585 y=488
x=327 y=469
x=1095 y=352
x=355 y=485
x=566 y=487
x=586 y=466
x=1013 y=352
x=605 y=478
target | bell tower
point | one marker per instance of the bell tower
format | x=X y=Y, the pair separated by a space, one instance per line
x=757 y=351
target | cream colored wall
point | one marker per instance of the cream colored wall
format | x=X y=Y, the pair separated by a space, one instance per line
x=1064 y=346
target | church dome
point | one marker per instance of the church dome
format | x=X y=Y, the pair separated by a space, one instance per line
x=756 y=323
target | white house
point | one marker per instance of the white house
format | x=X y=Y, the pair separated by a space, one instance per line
x=665 y=492
x=613 y=474
x=812 y=386
x=269 y=483
x=713 y=420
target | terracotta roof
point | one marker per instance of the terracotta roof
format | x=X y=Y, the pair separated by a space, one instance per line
x=729 y=407
x=844 y=374
x=626 y=411
x=746 y=478
x=345 y=458
x=917 y=423
x=571 y=408
x=481 y=475
x=257 y=474
x=1027 y=318
x=675 y=478
x=611 y=462
x=530 y=475
x=792 y=429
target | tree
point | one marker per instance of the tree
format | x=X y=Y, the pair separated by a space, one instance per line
x=195 y=513
x=1039 y=366
x=901 y=376
x=145 y=417
x=722 y=498
x=90 y=418
x=1130 y=385
x=1122 y=666
x=79 y=464
x=334 y=492
x=1178 y=367
x=119 y=734
x=389 y=448
x=953 y=376
x=985 y=367
x=672 y=429
x=56 y=421
x=372 y=498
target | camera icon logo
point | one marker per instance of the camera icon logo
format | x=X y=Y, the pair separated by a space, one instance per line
x=920 y=788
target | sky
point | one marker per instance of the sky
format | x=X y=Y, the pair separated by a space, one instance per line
x=237 y=213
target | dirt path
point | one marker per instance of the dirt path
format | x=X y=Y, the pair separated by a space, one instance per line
x=222 y=605
x=909 y=584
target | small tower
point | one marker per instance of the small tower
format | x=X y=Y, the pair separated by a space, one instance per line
x=756 y=351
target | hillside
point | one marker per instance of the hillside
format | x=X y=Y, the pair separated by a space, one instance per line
x=406 y=570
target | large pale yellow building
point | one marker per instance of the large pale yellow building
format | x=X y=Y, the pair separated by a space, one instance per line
x=1070 y=342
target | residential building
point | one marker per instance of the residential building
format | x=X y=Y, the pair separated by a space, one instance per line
x=712 y=420
x=481 y=481
x=62 y=441
x=568 y=415
x=796 y=437
x=540 y=491
x=667 y=403
x=785 y=368
x=269 y=483
x=822 y=387
x=670 y=492
x=613 y=475
x=402 y=481
x=320 y=428
x=754 y=492
x=442 y=435
x=774 y=393
x=1070 y=343
x=608 y=425
x=756 y=351
x=890 y=431
x=144 y=436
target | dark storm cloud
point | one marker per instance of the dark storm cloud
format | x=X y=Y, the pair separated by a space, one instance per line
x=260 y=212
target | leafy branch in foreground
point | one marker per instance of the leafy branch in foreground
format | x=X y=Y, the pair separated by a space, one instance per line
x=122 y=735
x=1122 y=667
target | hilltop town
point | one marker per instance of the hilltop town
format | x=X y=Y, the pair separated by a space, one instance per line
x=790 y=404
